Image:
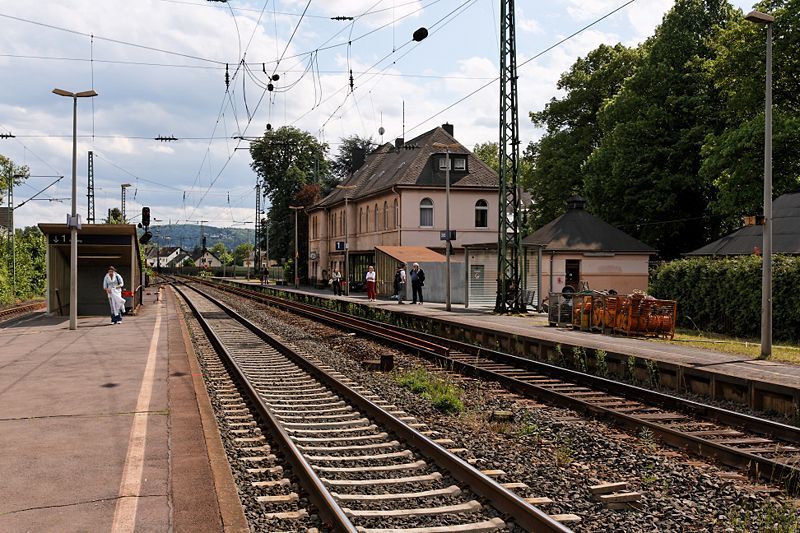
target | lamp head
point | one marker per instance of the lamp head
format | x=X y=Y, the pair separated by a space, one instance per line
x=759 y=17
x=62 y=92
x=86 y=94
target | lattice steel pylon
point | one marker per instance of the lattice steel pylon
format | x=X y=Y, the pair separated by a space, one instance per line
x=257 y=243
x=90 y=190
x=509 y=238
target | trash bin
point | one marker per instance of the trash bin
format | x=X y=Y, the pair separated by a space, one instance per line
x=128 y=295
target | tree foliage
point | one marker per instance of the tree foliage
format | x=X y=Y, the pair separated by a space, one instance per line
x=10 y=171
x=571 y=127
x=114 y=216
x=30 y=279
x=342 y=162
x=489 y=153
x=286 y=160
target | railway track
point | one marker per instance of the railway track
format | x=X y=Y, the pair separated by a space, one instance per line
x=361 y=463
x=763 y=448
x=20 y=310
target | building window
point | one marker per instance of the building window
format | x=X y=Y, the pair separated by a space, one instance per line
x=394 y=215
x=442 y=163
x=385 y=215
x=367 y=223
x=360 y=219
x=426 y=213
x=375 y=215
x=481 y=214
x=460 y=163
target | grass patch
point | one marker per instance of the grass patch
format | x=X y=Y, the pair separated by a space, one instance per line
x=775 y=517
x=787 y=353
x=442 y=394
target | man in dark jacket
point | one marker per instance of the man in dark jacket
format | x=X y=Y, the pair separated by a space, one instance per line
x=417 y=282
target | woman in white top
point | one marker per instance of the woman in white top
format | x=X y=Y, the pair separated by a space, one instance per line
x=112 y=284
x=336 y=281
x=372 y=292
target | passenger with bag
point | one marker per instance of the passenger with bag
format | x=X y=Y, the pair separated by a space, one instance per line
x=336 y=281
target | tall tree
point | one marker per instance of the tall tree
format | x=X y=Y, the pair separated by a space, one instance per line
x=286 y=159
x=644 y=174
x=571 y=127
x=114 y=216
x=242 y=252
x=733 y=160
x=11 y=171
x=489 y=153
x=342 y=164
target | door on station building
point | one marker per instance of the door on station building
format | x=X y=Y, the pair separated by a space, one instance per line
x=573 y=273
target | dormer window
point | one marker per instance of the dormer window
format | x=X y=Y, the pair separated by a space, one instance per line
x=460 y=163
x=442 y=163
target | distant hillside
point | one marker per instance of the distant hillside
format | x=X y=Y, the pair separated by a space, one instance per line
x=189 y=236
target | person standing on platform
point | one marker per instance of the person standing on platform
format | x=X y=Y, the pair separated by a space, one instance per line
x=400 y=280
x=336 y=279
x=112 y=284
x=417 y=282
x=372 y=279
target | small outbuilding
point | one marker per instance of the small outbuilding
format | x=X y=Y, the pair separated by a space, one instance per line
x=99 y=246
x=387 y=258
x=578 y=247
x=749 y=239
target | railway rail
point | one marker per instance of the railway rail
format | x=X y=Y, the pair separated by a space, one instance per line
x=359 y=462
x=763 y=448
x=17 y=311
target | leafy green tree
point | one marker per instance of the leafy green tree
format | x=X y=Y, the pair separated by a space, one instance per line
x=114 y=216
x=643 y=176
x=733 y=159
x=29 y=281
x=11 y=171
x=286 y=159
x=241 y=252
x=571 y=127
x=489 y=153
x=218 y=249
x=342 y=164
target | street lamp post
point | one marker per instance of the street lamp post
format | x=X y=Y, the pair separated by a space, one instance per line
x=766 y=265
x=447 y=148
x=296 y=208
x=346 y=240
x=73 y=219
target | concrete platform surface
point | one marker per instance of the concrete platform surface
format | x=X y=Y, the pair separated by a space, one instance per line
x=706 y=365
x=100 y=427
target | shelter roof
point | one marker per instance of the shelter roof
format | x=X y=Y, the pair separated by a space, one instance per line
x=577 y=230
x=412 y=254
x=410 y=166
x=744 y=241
x=90 y=229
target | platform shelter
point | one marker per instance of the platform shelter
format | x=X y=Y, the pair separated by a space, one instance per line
x=99 y=245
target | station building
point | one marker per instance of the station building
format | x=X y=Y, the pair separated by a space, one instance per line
x=99 y=246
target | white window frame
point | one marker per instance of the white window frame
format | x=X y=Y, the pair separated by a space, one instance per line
x=426 y=207
x=443 y=163
x=460 y=163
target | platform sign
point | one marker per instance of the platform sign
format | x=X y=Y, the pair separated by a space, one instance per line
x=64 y=238
x=340 y=246
x=443 y=235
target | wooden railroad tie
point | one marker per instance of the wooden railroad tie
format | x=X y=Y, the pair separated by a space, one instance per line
x=615 y=495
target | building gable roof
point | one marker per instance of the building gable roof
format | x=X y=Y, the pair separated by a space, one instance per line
x=744 y=241
x=577 y=230
x=410 y=166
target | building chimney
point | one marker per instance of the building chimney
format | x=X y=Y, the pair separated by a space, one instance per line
x=358 y=156
x=448 y=128
x=399 y=142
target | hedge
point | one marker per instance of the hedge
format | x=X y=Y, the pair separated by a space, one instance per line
x=723 y=295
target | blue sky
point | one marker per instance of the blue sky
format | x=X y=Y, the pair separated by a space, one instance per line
x=172 y=83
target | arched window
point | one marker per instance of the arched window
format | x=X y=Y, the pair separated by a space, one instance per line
x=360 y=219
x=394 y=215
x=426 y=213
x=481 y=214
x=385 y=215
x=366 y=226
x=375 y=216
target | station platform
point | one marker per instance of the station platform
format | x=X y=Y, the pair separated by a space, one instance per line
x=761 y=385
x=109 y=428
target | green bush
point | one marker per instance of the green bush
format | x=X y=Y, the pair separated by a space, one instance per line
x=723 y=295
